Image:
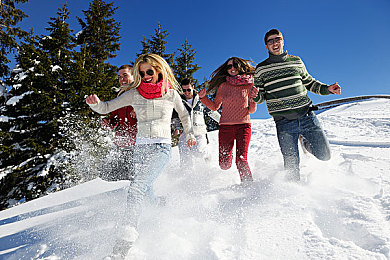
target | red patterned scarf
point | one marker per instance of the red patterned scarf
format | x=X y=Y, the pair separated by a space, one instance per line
x=151 y=90
x=240 y=80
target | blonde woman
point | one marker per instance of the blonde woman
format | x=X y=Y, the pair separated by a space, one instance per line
x=154 y=95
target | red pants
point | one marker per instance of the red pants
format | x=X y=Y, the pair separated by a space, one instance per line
x=242 y=134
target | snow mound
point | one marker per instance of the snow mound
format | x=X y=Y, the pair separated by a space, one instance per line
x=341 y=210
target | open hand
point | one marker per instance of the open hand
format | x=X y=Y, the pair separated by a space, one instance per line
x=202 y=93
x=335 y=89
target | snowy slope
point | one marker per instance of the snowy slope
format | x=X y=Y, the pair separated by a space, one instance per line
x=340 y=211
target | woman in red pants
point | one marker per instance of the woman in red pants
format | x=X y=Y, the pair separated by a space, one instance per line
x=232 y=82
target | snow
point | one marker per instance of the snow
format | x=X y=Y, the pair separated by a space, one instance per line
x=55 y=68
x=12 y=101
x=340 y=211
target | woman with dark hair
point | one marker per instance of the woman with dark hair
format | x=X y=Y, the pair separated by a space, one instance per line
x=232 y=83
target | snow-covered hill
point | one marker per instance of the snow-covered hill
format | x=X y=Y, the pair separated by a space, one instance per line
x=340 y=211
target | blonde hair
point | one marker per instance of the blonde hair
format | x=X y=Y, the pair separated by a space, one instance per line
x=162 y=68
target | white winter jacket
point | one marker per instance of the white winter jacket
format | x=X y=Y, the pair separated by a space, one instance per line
x=153 y=115
x=197 y=112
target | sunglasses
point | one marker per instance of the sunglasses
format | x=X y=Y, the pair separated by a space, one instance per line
x=272 y=41
x=150 y=72
x=187 y=90
x=229 y=66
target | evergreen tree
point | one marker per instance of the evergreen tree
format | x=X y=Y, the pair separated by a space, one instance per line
x=157 y=44
x=31 y=138
x=10 y=33
x=145 y=46
x=184 y=66
x=98 y=42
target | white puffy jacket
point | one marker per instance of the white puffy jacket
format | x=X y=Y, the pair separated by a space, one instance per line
x=197 y=112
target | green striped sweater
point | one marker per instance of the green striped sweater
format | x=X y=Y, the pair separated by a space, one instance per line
x=283 y=82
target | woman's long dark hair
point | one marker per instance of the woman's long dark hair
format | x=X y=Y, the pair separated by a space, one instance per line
x=219 y=75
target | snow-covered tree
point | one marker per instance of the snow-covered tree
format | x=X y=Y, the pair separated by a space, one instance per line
x=10 y=34
x=31 y=137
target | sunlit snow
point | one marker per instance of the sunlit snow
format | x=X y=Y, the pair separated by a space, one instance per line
x=341 y=210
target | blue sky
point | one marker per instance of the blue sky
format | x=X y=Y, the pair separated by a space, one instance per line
x=339 y=41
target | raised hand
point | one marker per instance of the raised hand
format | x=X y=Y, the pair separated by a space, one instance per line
x=335 y=88
x=202 y=93
x=92 y=99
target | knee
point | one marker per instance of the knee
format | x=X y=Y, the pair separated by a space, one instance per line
x=325 y=157
x=225 y=165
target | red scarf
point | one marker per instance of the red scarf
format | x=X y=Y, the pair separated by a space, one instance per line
x=151 y=90
x=240 y=80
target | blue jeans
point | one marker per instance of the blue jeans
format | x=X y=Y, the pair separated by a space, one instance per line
x=288 y=132
x=149 y=161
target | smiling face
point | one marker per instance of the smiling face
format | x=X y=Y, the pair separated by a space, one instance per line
x=188 y=91
x=232 y=68
x=145 y=71
x=275 y=44
x=125 y=76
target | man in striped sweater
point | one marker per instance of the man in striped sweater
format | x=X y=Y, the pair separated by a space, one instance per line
x=283 y=81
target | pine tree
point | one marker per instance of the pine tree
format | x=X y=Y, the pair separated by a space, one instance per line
x=98 y=42
x=145 y=47
x=184 y=66
x=156 y=44
x=32 y=137
x=10 y=34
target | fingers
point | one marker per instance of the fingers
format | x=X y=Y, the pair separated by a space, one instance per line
x=335 y=89
x=202 y=93
x=92 y=99
x=191 y=142
x=254 y=92
x=132 y=114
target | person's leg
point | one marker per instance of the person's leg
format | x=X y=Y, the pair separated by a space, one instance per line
x=149 y=160
x=243 y=137
x=288 y=132
x=226 y=142
x=185 y=153
x=200 y=150
x=312 y=131
x=130 y=160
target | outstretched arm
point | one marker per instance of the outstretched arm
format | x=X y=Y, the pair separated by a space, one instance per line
x=105 y=107
x=208 y=103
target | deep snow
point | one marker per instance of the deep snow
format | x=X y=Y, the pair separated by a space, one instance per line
x=341 y=210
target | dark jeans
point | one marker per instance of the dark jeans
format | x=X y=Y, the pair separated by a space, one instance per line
x=288 y=132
